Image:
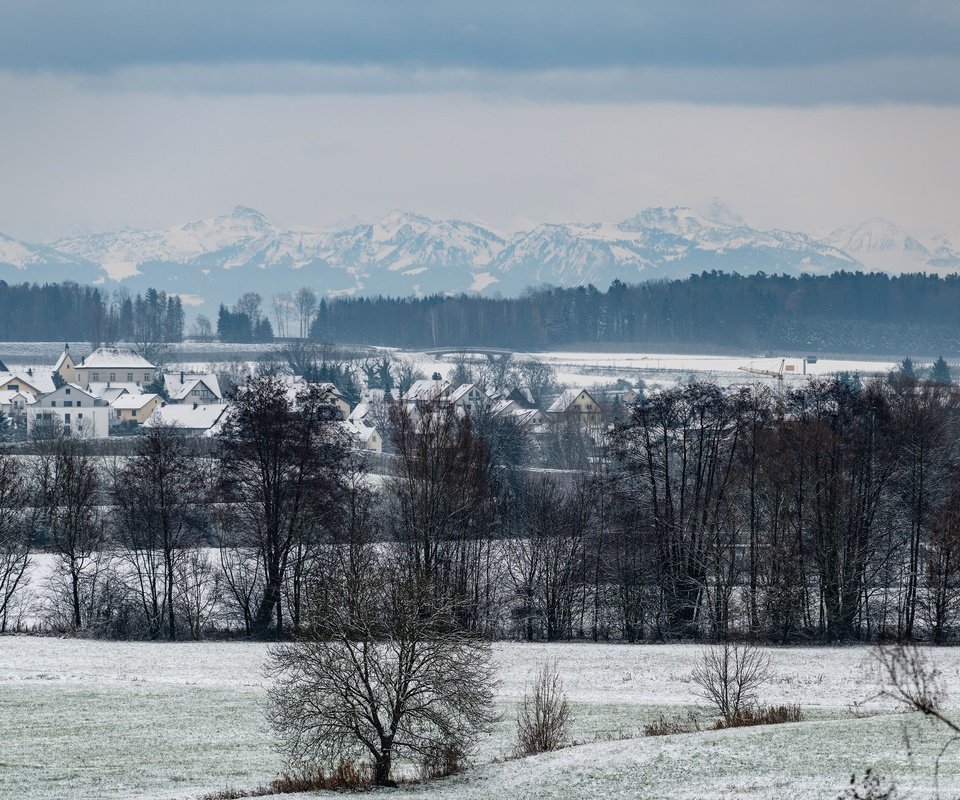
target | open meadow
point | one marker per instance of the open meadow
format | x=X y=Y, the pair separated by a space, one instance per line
x=117 y=720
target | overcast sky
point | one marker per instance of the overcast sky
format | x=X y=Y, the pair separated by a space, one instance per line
x=798 y=115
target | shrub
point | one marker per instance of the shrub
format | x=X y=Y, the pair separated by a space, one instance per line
x=544 y=719
x=870 y=787
x=770 y=715
x=662 y=726
x=442 y=760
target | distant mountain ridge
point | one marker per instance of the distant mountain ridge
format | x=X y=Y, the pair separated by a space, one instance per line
x=214 y=260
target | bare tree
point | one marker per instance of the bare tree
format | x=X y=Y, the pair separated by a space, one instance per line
x=305 y=306
x=385 y=676
x=202 y=327
x=281 y=461
x=543 y=723
x=160 y=502
x=68 y=488
x=730 y=674
x=282 y=305
x=15 y=538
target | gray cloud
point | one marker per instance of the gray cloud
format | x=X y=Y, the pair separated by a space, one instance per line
x=694 y=50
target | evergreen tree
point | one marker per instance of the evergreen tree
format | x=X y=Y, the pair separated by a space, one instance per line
x=906 y=368
x=940 y=372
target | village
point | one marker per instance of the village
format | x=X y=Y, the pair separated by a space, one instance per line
x=115 y=392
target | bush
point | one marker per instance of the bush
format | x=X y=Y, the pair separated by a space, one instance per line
x=544 y=719
x=442 y=760
x=662 y=726
x=770 y=715
x=870 y=787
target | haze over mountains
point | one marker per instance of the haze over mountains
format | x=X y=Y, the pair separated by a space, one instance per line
x=214 y=260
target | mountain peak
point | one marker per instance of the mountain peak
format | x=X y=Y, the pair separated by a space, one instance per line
x=245 y=212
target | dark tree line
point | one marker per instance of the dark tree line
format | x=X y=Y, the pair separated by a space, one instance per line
x=843 y=312
x=827 y=513
x=70 y=312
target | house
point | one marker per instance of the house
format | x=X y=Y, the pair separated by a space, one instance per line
x=66 y=367
x=332 y=395
x=425 y=391
x=112 y=364
x=366 y=435
x=468 y=396
x=13 y=403
x=77 y=410
x=134 y=409
x=111 y=391
x=574 y=402
x=192 y=387
x=29 y=382
x=201 y=420
x=522 y=396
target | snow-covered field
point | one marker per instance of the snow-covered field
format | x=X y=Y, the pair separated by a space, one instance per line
x=143 y=720
x=665 y=369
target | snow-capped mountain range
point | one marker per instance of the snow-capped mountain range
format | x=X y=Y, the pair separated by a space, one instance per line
x=215 y=260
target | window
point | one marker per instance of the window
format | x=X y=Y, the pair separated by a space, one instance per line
x=67 y=390
x=146 y=376
x=14 y=387
x=66 y=419
x=113 y=376
x=79 y=403
x=129 y=376
x=67 y=403
x=96 y=376
x=53 y=403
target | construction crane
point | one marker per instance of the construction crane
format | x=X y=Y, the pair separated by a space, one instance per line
x=769 y=373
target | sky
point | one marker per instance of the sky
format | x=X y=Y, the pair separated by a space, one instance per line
x=804 y=116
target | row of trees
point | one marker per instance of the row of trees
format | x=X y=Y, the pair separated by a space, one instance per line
x=843 y=312
x=828 y=513
x=68 y=311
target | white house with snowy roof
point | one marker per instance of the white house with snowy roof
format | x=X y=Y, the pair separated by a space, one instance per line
x=201 y=420
x=202 y=388
x=115 y=365
x=78 y=411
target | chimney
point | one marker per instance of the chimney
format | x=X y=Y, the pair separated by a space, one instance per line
x=181 y=376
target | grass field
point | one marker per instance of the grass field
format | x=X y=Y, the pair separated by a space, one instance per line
x=139 y=720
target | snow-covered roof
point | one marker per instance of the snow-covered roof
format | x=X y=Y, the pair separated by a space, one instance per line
x=426 y=390
x=115 y=358
x=360 y=412
x=133 y=401
x=461 y=391
x=565 y=400
x=180 y=384
x=8 y=396
x=108 y=389
x=361 y=430
x=41 y=380
x=63 y=357
x=204 y=418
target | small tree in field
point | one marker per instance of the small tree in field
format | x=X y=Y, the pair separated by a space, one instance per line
x=384 y=675
x=544 y=719
x=729 y=676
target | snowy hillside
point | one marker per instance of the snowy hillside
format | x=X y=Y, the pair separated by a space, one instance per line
x=406 y=253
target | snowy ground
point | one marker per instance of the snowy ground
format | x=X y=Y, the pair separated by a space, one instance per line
x=140 y=720
x=664 y=369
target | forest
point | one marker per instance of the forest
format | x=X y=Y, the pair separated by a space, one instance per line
x=839 y=313
x=70 y=312
x=850 y=313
